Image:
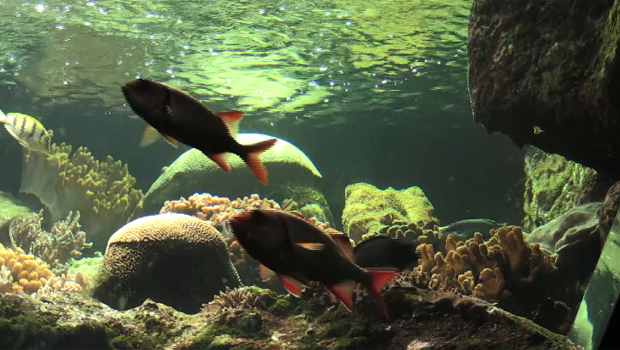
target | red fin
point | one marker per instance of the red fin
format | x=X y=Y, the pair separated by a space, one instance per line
x=311 y=246
x=292 y=285
x=381 y=277
x=265 y=273
x=220 y=159
x=344 y=243
x=251 y=158
x=344 y=292
x=150 y=135
x=231 y=119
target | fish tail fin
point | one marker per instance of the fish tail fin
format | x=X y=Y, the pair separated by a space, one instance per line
x=251 y=155
x=379 y=279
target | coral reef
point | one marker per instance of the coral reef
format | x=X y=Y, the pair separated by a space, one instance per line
x=27 y=273
x=553 y=185
x=216 y=210
x=410 y=231
x=368 y=209
x=173 y=258
x=291 y=175
x=521 y=277
x=102 y=191
x=71 y=283
x=11 y=209
x=437 y=320
x=64 y=241
x=568 y=95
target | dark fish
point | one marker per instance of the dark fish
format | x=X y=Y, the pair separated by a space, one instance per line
x=466 y=229
x=298 y=252
x=178 y=116
x=384 y=251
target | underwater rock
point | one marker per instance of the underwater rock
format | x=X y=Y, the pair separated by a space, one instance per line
x=259 y=319
x=369 y=209
x=554 y=185
x=556 y=91
x=10 y=209
x=172 y=258
x=291 y=175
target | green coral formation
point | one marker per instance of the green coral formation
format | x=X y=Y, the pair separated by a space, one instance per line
x=554 y=185
x=434 y=320
x=368 y=209
x=291 y=175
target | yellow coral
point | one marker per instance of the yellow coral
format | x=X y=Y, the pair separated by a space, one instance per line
x=26 y=270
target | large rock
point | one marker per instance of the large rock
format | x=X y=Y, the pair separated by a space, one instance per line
x=291 y=175
x=175 y=259
x=554 y=185
x=545 y=72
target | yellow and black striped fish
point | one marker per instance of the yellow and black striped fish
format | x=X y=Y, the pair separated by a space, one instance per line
x=28 y=131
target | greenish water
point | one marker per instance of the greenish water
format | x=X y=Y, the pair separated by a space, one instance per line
x=373 y=93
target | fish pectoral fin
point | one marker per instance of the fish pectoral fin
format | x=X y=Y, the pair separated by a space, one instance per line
x=231 y=120
x=292 y=285
x=171 y=140
x=220 y=159
x=344 y=292
x=150 y=135
x=344 y=243
x=265 y=273
x=311 y=246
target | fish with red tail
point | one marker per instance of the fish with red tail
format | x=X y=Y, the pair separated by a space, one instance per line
x=298 y=252
x=177 y=116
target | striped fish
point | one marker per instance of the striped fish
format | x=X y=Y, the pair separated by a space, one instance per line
x=28 y=131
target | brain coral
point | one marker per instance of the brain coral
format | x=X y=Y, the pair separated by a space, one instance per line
x=174 y=259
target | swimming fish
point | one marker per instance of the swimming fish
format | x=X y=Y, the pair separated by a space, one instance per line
x=178 y=116
x=538 y=130
x=297 y=252
x=384 y=251
x=465 y=229
x=28 y=131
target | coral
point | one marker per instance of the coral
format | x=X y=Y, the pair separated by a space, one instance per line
x=64 y=241
x=314 y=211
x=102 y=191
x=28 y=274
x=291 y=175
x=214 y=209
x=410 y=231
x=11 y=209
x=173 y=258
x=487 y=265
x=238 y=298
x=6 y=280
x=368 y=209
x=71 y=283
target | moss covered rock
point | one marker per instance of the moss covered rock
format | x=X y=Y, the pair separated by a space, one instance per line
x=546 y=73
x=171 y=258
x=368 y=209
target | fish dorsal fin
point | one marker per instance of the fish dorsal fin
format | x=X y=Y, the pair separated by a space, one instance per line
x=311 y=246
x=344 y=243
x=265 y=273
x=344 y=292
x=231 y=119
x=150 y=135
x=220 y=159
x=292 y=285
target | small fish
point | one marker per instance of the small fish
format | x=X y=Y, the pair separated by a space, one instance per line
x=465 y=229
x=177 y=116
x=28 y=131
x=297 y=252
x=384 y=251
x=538 y=130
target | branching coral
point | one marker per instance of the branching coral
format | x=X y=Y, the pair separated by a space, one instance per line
x=102 y=191
x=64 y=241
x=70 y=283
x=216 y=209
x=482 y=268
